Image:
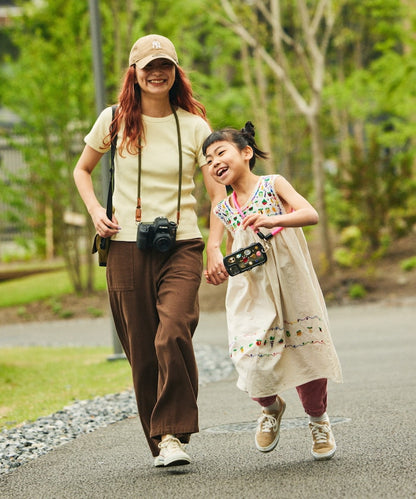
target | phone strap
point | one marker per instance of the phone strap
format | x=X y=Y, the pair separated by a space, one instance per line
x=275 y=231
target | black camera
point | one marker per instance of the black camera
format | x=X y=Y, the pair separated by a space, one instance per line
x=160 y=235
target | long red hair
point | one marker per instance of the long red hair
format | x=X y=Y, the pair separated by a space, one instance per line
x=129 y=107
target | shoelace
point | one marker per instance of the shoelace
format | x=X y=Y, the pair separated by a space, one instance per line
x=172 y=441
x=320 y=433
x=267 y=422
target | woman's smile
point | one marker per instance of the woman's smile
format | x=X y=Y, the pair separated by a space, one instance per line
x=158 y=74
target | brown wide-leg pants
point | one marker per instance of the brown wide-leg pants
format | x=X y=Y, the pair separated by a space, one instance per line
x=154 y=301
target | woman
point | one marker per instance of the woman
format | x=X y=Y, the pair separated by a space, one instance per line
x=153 y=288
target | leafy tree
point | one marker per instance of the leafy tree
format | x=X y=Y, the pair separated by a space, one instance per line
x=49 y=87
x=373 y=96
x=308 y=40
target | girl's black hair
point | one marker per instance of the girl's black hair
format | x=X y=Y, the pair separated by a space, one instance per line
x=241 y=138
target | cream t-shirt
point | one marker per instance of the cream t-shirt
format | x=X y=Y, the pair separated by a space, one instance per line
x=160 y=171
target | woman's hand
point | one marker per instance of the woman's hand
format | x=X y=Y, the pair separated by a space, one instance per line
x=103 y=225
x=215 y=272
x=82 y=176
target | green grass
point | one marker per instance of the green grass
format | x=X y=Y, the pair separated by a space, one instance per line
x=41 y=287
x=37 y=381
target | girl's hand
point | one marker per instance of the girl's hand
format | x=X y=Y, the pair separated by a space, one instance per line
x=256 y=221
x=216 y=278
x=103 y=225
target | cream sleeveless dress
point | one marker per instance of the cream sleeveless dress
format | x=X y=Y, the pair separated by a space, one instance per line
x=277 y=319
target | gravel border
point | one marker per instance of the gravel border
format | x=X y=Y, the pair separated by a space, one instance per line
x=29 y=441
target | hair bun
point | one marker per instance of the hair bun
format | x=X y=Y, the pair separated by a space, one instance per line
x=248 y=129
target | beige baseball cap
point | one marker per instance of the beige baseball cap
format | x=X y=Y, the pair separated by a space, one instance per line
x=152 y=47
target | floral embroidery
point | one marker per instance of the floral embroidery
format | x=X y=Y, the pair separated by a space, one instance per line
x=259 y=203
x=261 y=344
x=275 y=354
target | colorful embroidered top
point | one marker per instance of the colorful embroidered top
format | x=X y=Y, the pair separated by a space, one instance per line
x=264 y=200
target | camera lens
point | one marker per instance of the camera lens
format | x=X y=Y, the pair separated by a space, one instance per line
x=162 y=243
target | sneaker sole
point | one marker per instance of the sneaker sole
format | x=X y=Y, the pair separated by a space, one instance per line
x=177 y=461
x=323 y=457
x=273 y=445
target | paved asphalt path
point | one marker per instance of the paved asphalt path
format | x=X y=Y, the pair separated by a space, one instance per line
x=373 y=414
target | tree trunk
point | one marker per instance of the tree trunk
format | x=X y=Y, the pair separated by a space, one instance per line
x=263 y=123
x=49 y=246
x=326 y=261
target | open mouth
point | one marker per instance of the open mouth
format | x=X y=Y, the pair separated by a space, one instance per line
x=157 y=82
x=221 y=171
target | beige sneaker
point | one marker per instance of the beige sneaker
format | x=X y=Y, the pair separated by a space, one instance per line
x=323 y=441
x=268 y=429
x=171 y=453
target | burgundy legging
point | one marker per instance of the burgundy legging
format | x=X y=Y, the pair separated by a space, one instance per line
x=313 y=396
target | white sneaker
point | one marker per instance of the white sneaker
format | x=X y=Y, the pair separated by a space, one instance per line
x=323 y=441
x=172 y=453
x=159 y=461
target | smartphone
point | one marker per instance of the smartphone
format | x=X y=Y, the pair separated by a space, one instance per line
x=245 y=259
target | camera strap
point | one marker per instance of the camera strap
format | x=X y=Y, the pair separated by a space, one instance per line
x=139 y=202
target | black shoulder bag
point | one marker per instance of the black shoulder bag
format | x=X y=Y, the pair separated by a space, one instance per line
x=102 y=244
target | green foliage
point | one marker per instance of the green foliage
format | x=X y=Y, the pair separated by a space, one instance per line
x=374 y=92
x=26 y=391
x=95 y=312
x=49 y=87
x=408 y=264
x=353 y=249
x=357 y=291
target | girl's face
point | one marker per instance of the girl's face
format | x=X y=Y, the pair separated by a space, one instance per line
x=226 y=162
x=157 y=78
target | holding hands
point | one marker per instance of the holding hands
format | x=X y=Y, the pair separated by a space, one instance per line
x=215 y=272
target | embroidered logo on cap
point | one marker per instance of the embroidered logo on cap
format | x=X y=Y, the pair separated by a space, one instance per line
x=156 y=45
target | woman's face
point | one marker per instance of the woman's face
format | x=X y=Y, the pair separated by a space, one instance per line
x=157 y=78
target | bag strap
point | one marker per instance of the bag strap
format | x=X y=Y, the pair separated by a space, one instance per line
x=109 y=210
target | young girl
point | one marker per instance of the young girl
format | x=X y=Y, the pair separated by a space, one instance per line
x=277 y=319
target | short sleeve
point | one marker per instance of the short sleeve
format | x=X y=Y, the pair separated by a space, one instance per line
x=100 y=130
x=202 y=131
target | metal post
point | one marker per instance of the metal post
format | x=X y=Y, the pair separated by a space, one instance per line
x=97 y=58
